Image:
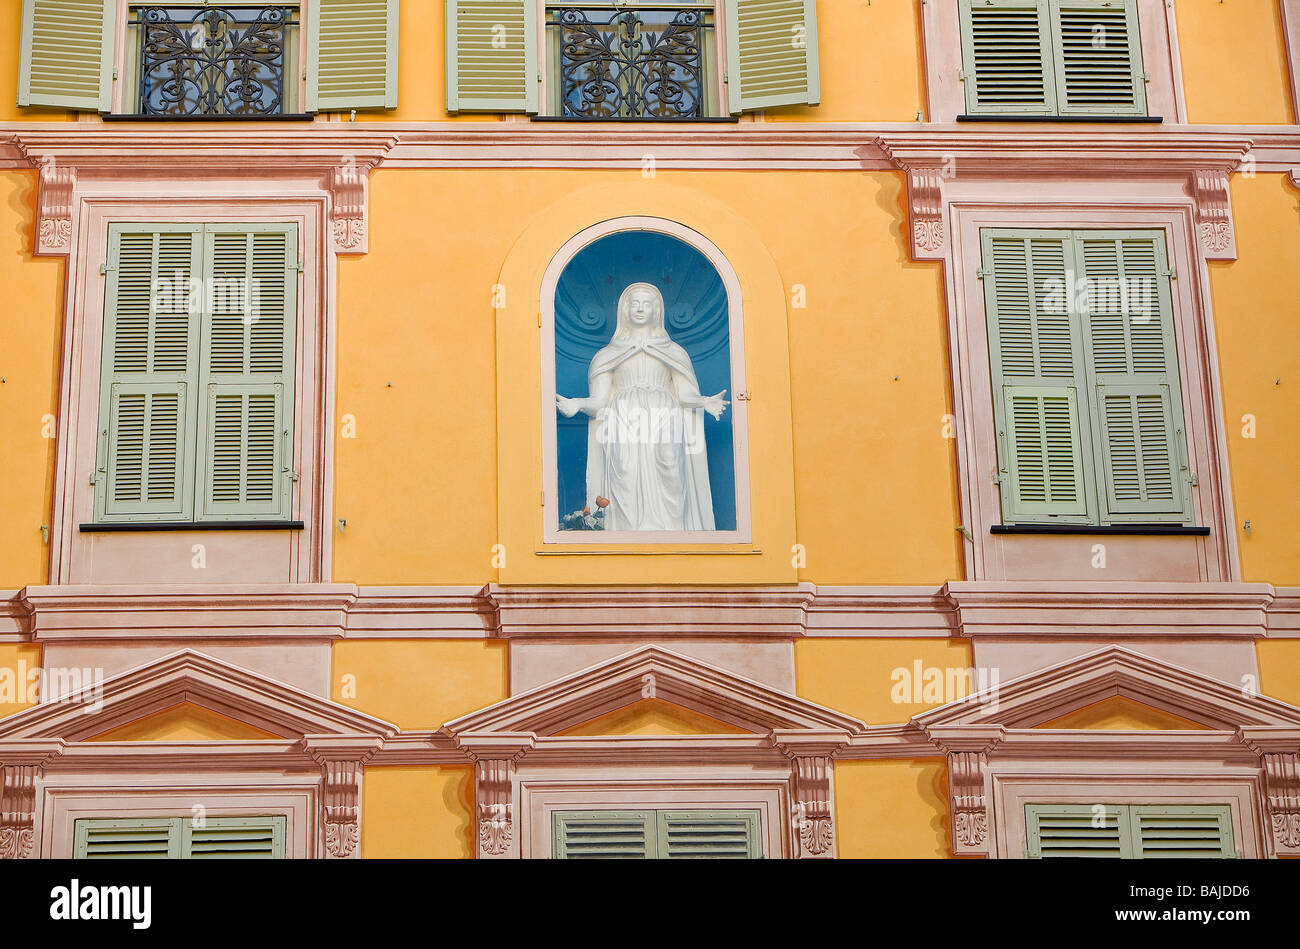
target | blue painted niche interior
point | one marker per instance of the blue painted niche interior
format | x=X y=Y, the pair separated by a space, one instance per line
x=697 y=318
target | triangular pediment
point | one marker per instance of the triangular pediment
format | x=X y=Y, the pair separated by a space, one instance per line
x=209 y=688
x=1114 y=672
x=652 y=717
x=652 y=673
x=1118 y=713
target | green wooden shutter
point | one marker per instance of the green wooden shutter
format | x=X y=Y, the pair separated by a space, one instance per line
x=1163 y=831
x=492 y=58
x=603 y=835
x=1007 y=57
x=138 y=838
x=1038 y=377
x=1077 y=830
x=351 y=54
x=695 y=834
x=145 y=464
x=771 y=53
x=1098 y=57
x=246 y=371
x=66 y=54
x=234 y=838
x=1135 y=393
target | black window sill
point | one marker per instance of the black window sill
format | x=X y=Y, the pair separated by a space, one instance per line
x=661 y=121
x=1178 y=530
x=129 y=117
x=1074 y=119
x=141 y=526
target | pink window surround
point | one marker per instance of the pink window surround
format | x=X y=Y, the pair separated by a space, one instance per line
x=309 y=768
x=973 y=205
x=1290 y=10
x=736 y=392
x=229 y=556
x=1003 y=752
x=946 y=93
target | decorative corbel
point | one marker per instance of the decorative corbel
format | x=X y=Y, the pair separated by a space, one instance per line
x=342 y=761
x=1214 y=229
x=967 y=748
x=54 y=207
x=925 y=203
x=494 y=758
x=349 y=186
x=811 y=772
x=18 y=776
x=1279 y=755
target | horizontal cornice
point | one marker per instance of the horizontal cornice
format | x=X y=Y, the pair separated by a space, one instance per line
x=971 y=609
x=135 y=148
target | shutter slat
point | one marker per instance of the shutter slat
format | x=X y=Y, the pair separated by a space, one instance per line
x=352 y=48
x=66 y=55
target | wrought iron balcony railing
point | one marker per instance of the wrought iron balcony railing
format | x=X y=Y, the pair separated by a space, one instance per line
x=230 y=61
x=649 y=62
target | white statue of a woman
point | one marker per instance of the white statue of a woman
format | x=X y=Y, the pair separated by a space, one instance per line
x=646 y=456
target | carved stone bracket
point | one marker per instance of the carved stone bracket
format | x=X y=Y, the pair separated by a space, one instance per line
x=342 y=763
x=925 y=203
x=967 y=748
x=349 y=186
x=495 y=830
x=54 y=208
x=18 y=776
x=1214 y=226
x=812 y=819
x=1279 y=753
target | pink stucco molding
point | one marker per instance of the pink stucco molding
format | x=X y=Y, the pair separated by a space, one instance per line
x=1002 y=753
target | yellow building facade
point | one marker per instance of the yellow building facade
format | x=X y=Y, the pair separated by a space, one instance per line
x=992 y=525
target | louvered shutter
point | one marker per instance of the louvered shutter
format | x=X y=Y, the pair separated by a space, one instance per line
x=1167 y=831
x=771 y=53
x=1038 y=377
x=1098 y=57
x=604 y=835
x=139 y=838
x=66 y=54
x=352 y=54
x=492 y=59
x=234 y=838
x=1077 y=830
x=246 y=371
x=145 y=466
x=1007 y=57
x=1135 y=393
x=695 y=834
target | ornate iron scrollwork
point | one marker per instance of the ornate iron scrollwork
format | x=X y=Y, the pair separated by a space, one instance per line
x=213 y=60
x=635 y=64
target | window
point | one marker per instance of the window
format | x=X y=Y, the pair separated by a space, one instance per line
x=239 y=59
x=181 y=837
x=655 y=834
x=231 y=60
x=1129 y=831
x=1052 y=57
x=1087 y=400
x=654 y=59
x=648 y=62
x=197 y=375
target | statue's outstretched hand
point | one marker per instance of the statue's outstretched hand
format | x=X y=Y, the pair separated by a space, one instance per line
x=568 y=407
x=715 y=405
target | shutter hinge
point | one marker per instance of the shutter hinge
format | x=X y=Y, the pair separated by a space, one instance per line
x=105 y=270
x=115 y=75
x=1146 y=77
x=1194 y=481
x=963 y=75
x=301 y=268
x=982 y=273
x=543 y=499
x=293 y=475
x=1171 y=273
